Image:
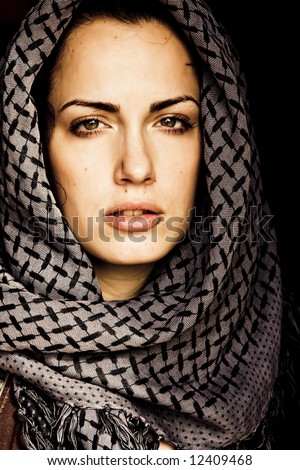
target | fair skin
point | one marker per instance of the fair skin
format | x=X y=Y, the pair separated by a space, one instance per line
x=126 y=138
x=125 y=147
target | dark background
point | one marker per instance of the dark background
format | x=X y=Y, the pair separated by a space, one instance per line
x=262 y=38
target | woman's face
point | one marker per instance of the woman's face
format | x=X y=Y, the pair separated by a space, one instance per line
x=125 y=148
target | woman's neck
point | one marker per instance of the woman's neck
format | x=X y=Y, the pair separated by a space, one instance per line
x=119 y=282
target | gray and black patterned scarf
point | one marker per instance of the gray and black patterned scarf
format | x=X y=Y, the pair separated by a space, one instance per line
x=193 y=358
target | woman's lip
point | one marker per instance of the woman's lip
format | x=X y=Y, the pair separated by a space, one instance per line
x=131 y=206
x=141 y=223
x=151 y=216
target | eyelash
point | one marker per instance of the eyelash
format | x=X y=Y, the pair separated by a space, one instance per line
x=74 y=128
x=187 y=124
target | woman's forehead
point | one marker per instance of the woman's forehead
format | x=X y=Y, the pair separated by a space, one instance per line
x=106 y=57
x=105 y=37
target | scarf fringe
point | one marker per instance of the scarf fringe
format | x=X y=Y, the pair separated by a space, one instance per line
x=48 y=425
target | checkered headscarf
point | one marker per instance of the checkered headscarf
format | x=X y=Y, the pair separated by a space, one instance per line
x=194 y=357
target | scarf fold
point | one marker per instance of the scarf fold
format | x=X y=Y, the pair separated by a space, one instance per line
x=193 y=358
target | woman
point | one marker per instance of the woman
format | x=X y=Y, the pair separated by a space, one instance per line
x=141 y=297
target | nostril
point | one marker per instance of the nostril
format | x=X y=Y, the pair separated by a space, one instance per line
x=135 y=166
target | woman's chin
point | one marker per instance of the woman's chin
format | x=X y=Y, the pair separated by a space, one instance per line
x=130 y=253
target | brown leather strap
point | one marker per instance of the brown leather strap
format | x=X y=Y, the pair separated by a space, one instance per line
x=10 y=427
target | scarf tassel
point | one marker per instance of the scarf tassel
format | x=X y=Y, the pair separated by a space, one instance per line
x=55 y=426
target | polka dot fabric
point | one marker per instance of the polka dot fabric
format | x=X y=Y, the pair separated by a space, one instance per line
x=194 y=357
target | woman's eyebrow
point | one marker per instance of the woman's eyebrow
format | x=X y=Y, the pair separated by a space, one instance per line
x=102 y=106
x=159 y=105
x=112 y=108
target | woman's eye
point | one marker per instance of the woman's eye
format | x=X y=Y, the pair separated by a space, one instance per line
x=91 y=125
x=170 y=122
x=88 y=127
x=174 y=124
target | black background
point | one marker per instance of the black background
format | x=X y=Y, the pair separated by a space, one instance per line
x=263 y=39
x=262 y=34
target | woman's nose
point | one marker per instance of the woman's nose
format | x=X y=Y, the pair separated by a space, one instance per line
x=135 y=163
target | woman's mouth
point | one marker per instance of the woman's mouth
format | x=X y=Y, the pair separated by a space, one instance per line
x=131 y=218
